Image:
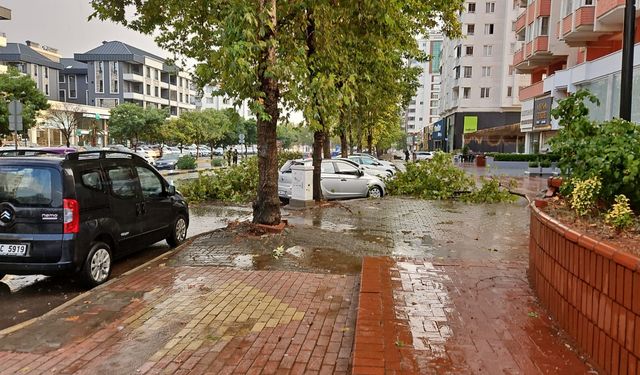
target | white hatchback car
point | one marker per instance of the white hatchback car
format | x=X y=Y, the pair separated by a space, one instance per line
x=424 y=155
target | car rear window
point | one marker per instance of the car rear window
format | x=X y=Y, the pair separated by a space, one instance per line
x=28 y=186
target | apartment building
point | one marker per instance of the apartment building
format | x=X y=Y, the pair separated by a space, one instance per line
x=41 y=63
x=479 y=84
x=5 y=14
x=208 y=99
x=73 y=82
x=567 y=45
x=423 y=108
x=119 y=73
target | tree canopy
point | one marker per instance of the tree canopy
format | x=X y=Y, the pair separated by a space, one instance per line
x=15 y=85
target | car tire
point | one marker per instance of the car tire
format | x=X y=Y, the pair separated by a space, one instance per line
x=375 y=192
x=178 y=231
x=97 y=265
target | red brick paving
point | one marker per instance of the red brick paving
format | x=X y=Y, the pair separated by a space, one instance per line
x=197 y=320
x=416 y=316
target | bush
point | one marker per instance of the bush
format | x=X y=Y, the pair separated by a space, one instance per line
x=490 y=192
x=186 y=162
x=545 y=163
x=534 y=164
x=217 y=162
x=283 y=156
x=237 y=184
x=585 y=195
x=609 y=150
x=620 y=216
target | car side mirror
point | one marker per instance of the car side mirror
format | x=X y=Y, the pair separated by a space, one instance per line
x=360 y=173
x=171 y=190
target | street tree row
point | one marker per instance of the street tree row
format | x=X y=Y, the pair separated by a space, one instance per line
x=344 y=64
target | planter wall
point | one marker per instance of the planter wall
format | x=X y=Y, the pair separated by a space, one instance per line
x=591 y=289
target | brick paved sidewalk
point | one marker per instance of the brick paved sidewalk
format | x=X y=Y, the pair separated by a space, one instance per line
x=417 y=316
x=195 y=320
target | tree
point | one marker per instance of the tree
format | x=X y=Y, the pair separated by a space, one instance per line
x=15 y=85
x=66 y=118
x=129 y=121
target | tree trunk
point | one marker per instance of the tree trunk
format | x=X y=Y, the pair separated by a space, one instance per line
x=326 y=145
x=318 y=137
x=350 y=137
x=344 y=152
x=266 y=208
x=370 y=141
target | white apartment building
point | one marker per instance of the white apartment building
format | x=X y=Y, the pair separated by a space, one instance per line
x=479 y=84
x=209 y=100
x=423 y=108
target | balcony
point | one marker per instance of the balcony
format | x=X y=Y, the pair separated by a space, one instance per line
x=543 y=8
x=533 y=55
x=132 y=77
x=609 y=14
x=578 y=27
x=133 y=96
x=521 y=22
x=532 y=91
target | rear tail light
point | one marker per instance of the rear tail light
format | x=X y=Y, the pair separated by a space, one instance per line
x=71 y=216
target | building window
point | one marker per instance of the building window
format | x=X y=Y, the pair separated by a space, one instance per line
x=148 y=72
x=469 y=50
x=157 y=75
x=435 y=95
x=466 y=92
x=471 y=7
x=433 y=111
x=484 y=92
x=412 y=110
x=543 y=26
x=114 y=76
x=63 y=95
x=99 y=77
x=181 y=98
x=61 y=78
x=46 y=72
x=411 y=118
x=46 y=89
x=471 y=29
x=488 y=29
x=486 y=71
x=491 y=7
x=35 y=69
x=509 y=92
x=468 y=71
x=106 y=103
x=148 y=89
x=72 y=87
x=434 y=103
x=156 y=91
x=487 y=50
x=457 y=72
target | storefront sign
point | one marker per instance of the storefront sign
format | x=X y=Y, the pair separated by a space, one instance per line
x=438 y=131
x=542 y=112
x=470 y=124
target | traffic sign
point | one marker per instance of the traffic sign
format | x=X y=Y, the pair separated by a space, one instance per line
x=15 y=115
x=241 y=138
x=15 y=107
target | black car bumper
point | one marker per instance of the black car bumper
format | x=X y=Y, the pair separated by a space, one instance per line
x=36 y=268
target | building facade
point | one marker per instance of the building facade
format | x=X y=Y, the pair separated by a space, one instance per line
x=566 y=45
x=423 y=108
x=73 y=82
x=5 y=14
x=41 y=63
x=479 y=84
x=120 y=73
x=208 y=99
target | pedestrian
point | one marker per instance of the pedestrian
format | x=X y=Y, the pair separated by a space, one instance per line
x=406 y=155
x=235 y=156
x=229 y=156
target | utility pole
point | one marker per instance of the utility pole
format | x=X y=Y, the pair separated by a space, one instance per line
x=626 y=81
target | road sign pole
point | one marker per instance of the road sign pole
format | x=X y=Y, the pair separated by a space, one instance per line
x=15 y=130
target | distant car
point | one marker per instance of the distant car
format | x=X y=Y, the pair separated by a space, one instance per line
x=390 y=166
x=340 y=179
x=167 y=161
x=424 y=155
x=372 y=165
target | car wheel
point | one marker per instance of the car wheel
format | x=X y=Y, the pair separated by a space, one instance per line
x=178 y=232
x=375 y=192
x=97 y=266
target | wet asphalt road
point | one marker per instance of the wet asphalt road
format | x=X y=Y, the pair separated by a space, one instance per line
x=26 y=297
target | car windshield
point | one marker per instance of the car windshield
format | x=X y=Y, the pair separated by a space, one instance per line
x=27 y=186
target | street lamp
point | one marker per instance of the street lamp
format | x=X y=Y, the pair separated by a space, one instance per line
x=626 y=87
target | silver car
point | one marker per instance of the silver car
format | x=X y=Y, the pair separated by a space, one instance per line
x=371 y=166
x=372 y=160
x=339 y=179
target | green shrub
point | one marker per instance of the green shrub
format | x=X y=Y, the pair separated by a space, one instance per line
x=620 y=216
x=490 y=192
x=237 y=184
x=585 y=195
x=283 y=156
x=186 y=162
x=545 y=163
x=217 y=162
x=534 y=164
x=609 y=150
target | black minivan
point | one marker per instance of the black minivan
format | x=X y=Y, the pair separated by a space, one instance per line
x=78 y=212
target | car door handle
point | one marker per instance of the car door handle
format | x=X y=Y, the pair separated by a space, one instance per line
x=143 y=208
x=343 y=179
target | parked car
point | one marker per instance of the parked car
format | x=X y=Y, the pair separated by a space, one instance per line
x=390 y=166
x=168 y=161
x=424 y=155
x=340 y=179
x=78 y=212
x=372 y=167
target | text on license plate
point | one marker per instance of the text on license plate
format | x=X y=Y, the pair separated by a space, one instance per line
x=14 y=249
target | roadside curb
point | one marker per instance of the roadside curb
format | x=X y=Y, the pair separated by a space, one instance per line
x=26 y=323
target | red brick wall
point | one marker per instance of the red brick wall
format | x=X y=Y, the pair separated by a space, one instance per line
x=591 y=289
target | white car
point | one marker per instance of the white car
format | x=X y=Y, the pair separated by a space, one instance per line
x=367 y=159
x=340 y=179
x=424 y=155
x=370 y=166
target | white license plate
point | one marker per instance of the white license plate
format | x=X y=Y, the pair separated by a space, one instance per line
x=18 y=250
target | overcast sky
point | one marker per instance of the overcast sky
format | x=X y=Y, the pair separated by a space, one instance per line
x=63 y=24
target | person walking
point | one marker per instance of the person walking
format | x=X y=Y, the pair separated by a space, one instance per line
x=406 y=155
x=229 y=156
x=235 y=156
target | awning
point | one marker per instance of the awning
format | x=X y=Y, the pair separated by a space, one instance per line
x=512 y=130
